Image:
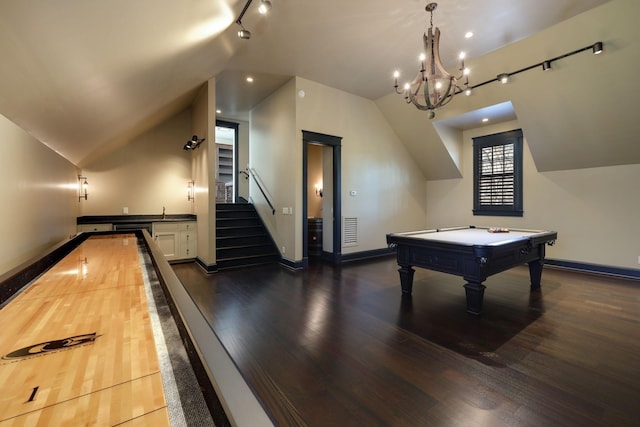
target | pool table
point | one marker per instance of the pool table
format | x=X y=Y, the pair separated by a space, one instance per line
x=474 y=253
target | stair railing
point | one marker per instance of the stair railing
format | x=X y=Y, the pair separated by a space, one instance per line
x=257 y=180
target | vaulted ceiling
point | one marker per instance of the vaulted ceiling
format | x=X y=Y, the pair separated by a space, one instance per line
x=82 y=75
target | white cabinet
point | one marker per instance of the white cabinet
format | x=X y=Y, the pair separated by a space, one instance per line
x=166 y=237
x=176 y=240
x=95 y=227
x=188 y=240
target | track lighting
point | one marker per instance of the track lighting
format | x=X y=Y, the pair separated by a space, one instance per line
x=193 y=143
x=263 y=9
x=596 y=48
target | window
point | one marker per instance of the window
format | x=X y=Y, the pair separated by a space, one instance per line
x=497 y=174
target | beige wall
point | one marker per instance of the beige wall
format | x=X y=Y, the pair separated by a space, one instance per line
x=148 y=173
x=203 y=165
x=39 y=191
x=593 y=210
x=391 y=191
x=276 y=155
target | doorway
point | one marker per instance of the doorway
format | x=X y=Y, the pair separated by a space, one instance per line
x=226 y=173
x=321 y=207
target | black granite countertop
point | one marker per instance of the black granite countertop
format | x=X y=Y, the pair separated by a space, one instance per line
x=133 y=219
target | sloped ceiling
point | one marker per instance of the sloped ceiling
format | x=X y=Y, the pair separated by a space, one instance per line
x=580 y=114
x=84 y=76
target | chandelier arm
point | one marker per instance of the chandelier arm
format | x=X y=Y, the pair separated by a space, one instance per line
x=431 y=44
x=415 y=102
x=427 y=97
x=442 y=101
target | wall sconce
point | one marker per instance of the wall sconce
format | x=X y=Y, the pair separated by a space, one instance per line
x=191 y=188
x=83 y=187
x=319 y=190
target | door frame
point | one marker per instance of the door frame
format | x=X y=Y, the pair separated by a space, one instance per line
x=335 y=142
x=236 y=171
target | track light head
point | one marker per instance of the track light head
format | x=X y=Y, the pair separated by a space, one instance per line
x=265 y=7
x=244 y=34
x=504 y=78
x=193 y=143
x=597 y=48
x=546 y=65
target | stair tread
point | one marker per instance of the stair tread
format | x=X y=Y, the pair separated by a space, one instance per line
x=249 y=245
x=245 y=257
x=243 y=235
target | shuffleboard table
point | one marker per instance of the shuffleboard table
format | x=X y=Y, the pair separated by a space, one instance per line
x=474 y=253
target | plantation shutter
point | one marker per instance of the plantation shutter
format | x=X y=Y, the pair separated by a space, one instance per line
x=498 y=174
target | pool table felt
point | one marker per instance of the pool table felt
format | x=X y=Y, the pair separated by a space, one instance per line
x=471 y=236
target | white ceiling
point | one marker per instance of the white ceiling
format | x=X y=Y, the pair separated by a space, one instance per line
x=80 y=75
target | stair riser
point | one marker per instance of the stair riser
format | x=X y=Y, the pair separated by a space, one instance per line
x=239 y=231
x=234 y=207
x=222 y=253
x=222 y=264
x=235 y=214
x=242 y=241
x=237 y=222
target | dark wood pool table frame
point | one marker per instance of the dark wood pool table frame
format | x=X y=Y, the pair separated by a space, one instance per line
x=474 y=262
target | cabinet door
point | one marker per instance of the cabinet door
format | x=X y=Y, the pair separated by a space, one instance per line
x=167 y=241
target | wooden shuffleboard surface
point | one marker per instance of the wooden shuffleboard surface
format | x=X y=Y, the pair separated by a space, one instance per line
x=77 y=346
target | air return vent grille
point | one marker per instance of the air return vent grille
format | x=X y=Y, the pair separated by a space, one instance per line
x=349 y=231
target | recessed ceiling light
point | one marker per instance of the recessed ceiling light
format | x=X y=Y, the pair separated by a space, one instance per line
x=485 y=120
x=250 y=79
x=218 y=111
x=468 y=34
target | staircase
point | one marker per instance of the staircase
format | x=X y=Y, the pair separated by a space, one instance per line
x=241 y=238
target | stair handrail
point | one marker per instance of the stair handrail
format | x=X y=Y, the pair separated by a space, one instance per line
x=256 y=179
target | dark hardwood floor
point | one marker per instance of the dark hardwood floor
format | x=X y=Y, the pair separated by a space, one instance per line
x=340 y=346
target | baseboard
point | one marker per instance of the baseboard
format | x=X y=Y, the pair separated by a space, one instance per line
x=626 y=273
x=292 y=265
x=365 y=255
x=209 y=268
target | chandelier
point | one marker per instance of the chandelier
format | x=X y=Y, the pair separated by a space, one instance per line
x=433 y=87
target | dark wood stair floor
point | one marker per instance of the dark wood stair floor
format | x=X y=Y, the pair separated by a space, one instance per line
x=242 y=240
x=340 y=346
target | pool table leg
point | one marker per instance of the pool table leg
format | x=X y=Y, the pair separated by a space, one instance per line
x=406 y=278
x=535 y=272
x=475 y=295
